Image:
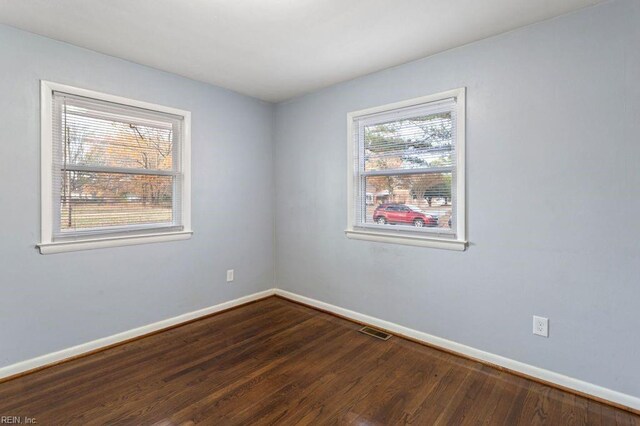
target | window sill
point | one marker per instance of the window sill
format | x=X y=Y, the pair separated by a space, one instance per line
x=421 y=241
x=96 y=243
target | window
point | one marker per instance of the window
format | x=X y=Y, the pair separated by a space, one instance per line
x=114 y=171
x=406 y=172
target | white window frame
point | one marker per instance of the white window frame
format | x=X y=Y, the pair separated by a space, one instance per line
x=373 y=233
x=47 y=244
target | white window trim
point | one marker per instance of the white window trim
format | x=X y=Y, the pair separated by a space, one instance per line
x=47 y=245
x=407 y=238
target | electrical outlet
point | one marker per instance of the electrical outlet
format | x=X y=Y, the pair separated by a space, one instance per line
x=541 y=326
x=229 y=275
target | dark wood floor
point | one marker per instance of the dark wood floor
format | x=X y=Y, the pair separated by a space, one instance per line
x=276 y=362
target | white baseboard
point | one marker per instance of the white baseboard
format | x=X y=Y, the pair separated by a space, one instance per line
x=54 y=357
x=600 y=392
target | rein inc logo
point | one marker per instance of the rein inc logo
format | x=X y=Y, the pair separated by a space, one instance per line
x=17 y=420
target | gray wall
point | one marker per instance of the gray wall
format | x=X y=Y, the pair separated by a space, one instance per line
x=553 y=196
x=53 y=302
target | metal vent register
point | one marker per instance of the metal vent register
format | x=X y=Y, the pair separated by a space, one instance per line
x=378 y=334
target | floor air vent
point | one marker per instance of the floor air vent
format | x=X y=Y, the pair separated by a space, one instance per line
x=375 y=333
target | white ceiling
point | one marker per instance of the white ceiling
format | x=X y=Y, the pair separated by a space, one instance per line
x=275 y=49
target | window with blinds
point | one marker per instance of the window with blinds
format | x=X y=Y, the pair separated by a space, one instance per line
x=407 y=169
x=117 y=168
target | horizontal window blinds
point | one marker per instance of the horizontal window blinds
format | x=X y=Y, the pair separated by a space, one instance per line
x=407 y=157
x=116 y=168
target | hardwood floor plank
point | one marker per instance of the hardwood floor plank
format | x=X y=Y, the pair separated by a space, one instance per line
x=535 y=410
x=482 y=382
x=225 y=368
x=157 y=360
x=277 y=362
x=93 y=367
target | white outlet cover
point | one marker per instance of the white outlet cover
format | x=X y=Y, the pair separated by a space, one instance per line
x=229 y=275
x=541 y=326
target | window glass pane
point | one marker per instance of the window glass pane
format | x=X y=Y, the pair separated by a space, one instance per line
x=416 y=200
x=93 y=200
x=93 y=139
x=417 y=142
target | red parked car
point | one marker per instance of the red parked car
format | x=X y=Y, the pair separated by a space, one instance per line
x=402 y=214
